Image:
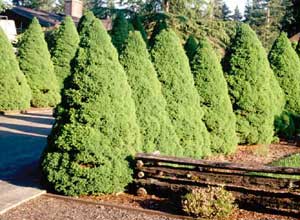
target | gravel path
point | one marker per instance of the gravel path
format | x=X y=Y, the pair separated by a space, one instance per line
x=45 y=208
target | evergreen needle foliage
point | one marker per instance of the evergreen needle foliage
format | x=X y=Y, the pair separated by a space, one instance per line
x=214 y=99
x=120 y=31
x=298 y=48
x=249 y=81
x=15 y=93
x=96 y=125
x=36 y=64
x=190 y=47
x=177 y=81
x=156 y=128
x=286 y=66
x=65 y=44
x=138 y=25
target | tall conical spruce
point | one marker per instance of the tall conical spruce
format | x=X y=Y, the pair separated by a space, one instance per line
x=65 y=45
x=15 y=93
x=156 y=128
x=96 y=126
x=286 y=66
x=214 y=98
x=182 y=98
x=249 y=81
x=36 y=64
x=120 y=31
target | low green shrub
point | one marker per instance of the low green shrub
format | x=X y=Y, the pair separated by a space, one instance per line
x=211 y=203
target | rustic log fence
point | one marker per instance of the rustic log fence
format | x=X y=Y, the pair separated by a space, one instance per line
x=175 y=176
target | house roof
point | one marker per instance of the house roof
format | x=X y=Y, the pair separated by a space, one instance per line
x=48 y=19
x=295 y=38
x=45 y=18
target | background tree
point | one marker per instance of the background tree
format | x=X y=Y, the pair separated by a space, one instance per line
x=226 y=12
x=248 y=76
x=65 y=44
x=36 y=64
x=15 y=93
x=172 y=67
x=138 y=25
x=120 y=31
x=95 y=127
x=156 y=128
x=286 y=66
x=214 y=99
x=237 y=16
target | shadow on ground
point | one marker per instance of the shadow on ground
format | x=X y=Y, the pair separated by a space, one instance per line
x=23 y=138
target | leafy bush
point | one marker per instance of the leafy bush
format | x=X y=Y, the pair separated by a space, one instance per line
x=156 y=128
x=214 y=99
x=120 y=31
x=65 y=44
x=15 y=93
x=285 y=126
x=211 y=203
x=95 y=129
x=36 y=64
x=255 y=95
x=286 y=65
x=179 y=90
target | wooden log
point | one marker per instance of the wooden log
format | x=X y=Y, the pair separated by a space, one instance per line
x=247 y=198
x=232 y=179
x=217 y=165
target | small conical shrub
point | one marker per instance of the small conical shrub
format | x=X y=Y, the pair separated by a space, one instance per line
x=36 y=64
x=96 y=125
x=65 y=44
x=182 y=98
x=120 y=31
x=286 y=66
x=156 y=128
x=249 y=82
x=15 y=93
x=190 y=47
x=214 y=99
x=138 y=25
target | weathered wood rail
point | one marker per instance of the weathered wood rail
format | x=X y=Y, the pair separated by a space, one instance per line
x=166 y=175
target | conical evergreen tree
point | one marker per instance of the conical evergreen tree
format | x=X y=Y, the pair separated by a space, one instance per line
x=286 y=66
x=156 y=127
x=96 y=126
x=298 y=49
x=138 y=25
x=120 y=31
x=249 y=81
x=214 y=99
x=15 y=93
x=190 y=47
x=36 y=64
x=182 y=98
x=65 y=44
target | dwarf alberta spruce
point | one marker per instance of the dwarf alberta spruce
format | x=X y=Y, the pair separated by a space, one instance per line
x=96 y=128
x=15 y=93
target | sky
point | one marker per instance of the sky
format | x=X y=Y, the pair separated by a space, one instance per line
x=233 y=3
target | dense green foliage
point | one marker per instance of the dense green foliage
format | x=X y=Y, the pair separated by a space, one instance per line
x=138 y=25
x=96 y=126
x=65 y=44
x=214 y=99
x=15 y=93
x=249 y=80
x=190 y=47
x=156 y=127
x=298 y=49
x=120 y=31
x=286 y=66
x=36 y=64
x=178 y=88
